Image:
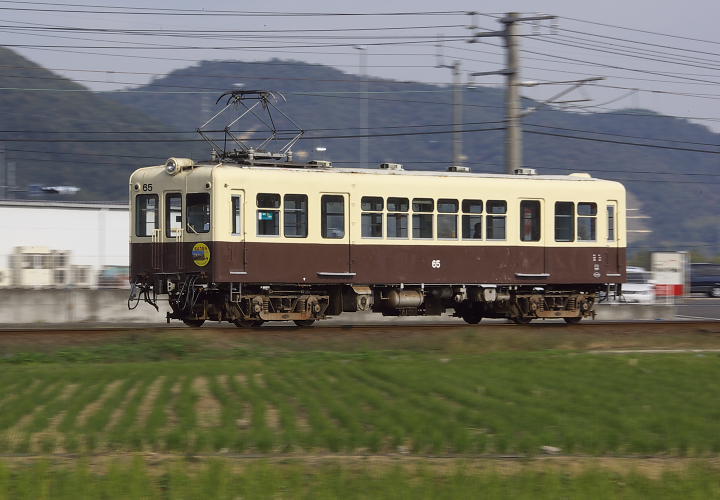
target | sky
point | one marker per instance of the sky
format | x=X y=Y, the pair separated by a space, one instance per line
x=659 y=55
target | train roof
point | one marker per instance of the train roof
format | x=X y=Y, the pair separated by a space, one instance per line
x=287 y=166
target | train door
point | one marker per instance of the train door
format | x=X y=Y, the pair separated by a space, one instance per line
x=237 y=232
x=173 y=233
x=335 y=233
x=532 y=261
x=613 y=262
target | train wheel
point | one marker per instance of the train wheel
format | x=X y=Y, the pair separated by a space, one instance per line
x=471 y=316
x=248 y=323
x=574 y=320
x=195 y=323
x=520 y=320
x=304 y=322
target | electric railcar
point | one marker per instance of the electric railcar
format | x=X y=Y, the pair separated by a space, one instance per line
x=262 y=240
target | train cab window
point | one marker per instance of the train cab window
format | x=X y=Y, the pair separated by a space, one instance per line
x=268 y=214
x=422 y=218
x=587 y=221
x=295 y=215
x=529 y=220
x=472 y=219
x=611 y=222
x=333 y=216
x=397 y=218
x=447 y=218
x=198 y=212
x=236 y=207
x=173 y=214
x=371 y=217
x=564 y=221
x=495 y=222
x=146 y=214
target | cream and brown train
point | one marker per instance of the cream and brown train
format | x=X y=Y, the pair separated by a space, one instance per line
x=253 y=241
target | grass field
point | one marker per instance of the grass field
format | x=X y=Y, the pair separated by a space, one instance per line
x=221 y=479
x=460 y=395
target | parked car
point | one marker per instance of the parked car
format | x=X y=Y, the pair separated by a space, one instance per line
x=705 y=278
x=639 y=288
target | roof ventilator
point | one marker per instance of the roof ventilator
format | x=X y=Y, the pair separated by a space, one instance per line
x=458 y=168
x=525 y=171
x=391 y=166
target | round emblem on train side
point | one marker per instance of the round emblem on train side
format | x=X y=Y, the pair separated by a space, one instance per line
x=201 y=254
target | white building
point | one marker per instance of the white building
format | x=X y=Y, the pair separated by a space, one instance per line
x=94 y=234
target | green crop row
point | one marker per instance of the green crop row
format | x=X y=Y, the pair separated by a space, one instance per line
x=219 y=479
x=511 y=403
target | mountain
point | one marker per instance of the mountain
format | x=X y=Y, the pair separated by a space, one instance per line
x=94 y=140
x=683 y=209
x=43 y=131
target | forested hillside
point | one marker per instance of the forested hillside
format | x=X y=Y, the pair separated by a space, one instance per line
x=674 y=186
x=57 y=132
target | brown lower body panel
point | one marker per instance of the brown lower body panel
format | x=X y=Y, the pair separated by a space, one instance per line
x=276 y=262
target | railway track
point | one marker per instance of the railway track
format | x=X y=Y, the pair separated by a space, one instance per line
x=640 y=326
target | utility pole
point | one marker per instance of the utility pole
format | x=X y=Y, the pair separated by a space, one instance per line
x=364 y=114
x=3 y=173
x=457 y=157
x=513 y=113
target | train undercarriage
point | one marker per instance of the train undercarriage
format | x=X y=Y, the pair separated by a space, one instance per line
x=194 y=301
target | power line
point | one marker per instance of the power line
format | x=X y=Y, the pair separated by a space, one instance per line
x=594 y=139
x=151 y=11
x=637 y=30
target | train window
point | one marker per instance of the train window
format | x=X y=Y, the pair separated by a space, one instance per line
x=446 y=219
x=422 y=221
x=146 y=214
x=236 y=203
x=564 y=221
x=173 y=214
x=611 y=222
x=397 y=219
x=333 y=216
x=587 y=221
x=295 y=214
x=268 y=214
x=371 y=204
x=198 y=212
x=471 y=222
x=529 y=220
x=397 y=204
x=371 y=218
x=495 y=219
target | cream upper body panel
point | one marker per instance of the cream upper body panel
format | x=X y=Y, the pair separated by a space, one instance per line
x=223 y=181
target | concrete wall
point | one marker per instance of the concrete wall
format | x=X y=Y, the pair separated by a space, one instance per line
x=24 y=306
x=33 y=307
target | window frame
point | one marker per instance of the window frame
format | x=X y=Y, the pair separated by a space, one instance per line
x=187 y=213
x=397 y=214
x=156 y=223
x=495 y=216
x=611 y=218
x=535 y=229
x=168 y=225
x=447 y=214
x=371 y=212
x=569 y=217
x=587 y=218
x=423 y=215
x=236 y=230
x=277 y=210
x=303 y=212
x=467 y=214
x=324 y=215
